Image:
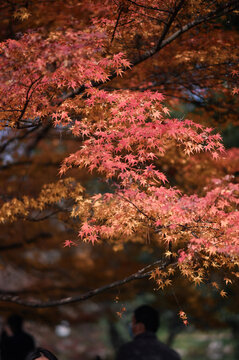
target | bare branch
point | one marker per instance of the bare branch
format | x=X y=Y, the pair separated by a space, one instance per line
x=116 y=25
x=148 y=7
x=140 y=274
x=28 y=162
x=35 y=219
x=20 y=137
x=29 y=94
x=18 y=245
x=169 y=23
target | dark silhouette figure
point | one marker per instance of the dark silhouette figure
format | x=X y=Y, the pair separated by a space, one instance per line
x=41 y=354
x=145 y=345
x=15 y=343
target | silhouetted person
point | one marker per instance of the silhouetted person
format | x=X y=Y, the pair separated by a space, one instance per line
x=15 y=343
x=145 y=345
x=41 y=354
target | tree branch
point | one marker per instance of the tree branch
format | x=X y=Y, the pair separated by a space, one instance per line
x=28 y=162
x=17 y=245
x=222 y=10
x=148 y=7
x=20 y=137
x=39 y=137
x=28 y=98
x=169 y=23
x=116 y=25
x=137 y=208
x=140 y=274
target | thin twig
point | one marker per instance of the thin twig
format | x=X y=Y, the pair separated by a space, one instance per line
x=116 y=25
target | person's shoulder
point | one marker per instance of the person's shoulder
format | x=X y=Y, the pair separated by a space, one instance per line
x=125 y=350
x=127 y=346
x=27 y=337
x=145 y=346
x=26 y=334
x=168 y=352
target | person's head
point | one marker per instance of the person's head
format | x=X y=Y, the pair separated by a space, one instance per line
x=41 y=354
x=15 y=323
x=145 y=318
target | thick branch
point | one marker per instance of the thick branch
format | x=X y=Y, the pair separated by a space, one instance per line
x=169 y=23
x=35 y=219
x=223 y=10
x=28 y=162
x=141 y=274
x=18 y=245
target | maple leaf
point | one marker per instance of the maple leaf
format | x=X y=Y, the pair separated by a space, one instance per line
x=166 y=110
x=223 y=293
x=93 y=238
x=168 y=253
x=215 y=155
x=235 y=90
x=85 y=229
x=227 y=281
x=69 y=243
x=214 y=284
x=153 y=275
x=183 y=316
x=97 y=197
x=21 y=14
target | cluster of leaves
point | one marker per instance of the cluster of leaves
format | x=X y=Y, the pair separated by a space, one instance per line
x=73 y=78
x=51 y=195
x=49 y=67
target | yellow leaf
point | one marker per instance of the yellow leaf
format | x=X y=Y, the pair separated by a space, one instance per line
x=228 y=281
x=21 y=14
x=168 y=253
x=168 y=282
x=223 y=293
x=214 y=284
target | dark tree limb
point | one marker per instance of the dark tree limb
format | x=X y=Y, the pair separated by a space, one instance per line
x=149 y=7
x=140 y=274
x=20 y=137
x=26 y=163
x=169 y=23
x=29 y=94
x=117 y=23
x=18 y=245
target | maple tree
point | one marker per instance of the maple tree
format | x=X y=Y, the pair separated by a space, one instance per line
x=92 y=97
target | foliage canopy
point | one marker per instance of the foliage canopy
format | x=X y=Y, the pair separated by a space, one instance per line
x=90 y=90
